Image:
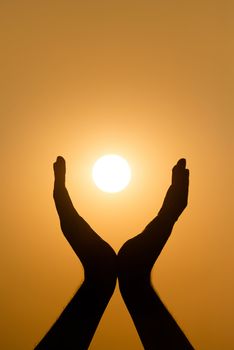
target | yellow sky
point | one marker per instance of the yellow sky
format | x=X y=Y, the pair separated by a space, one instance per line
x=152 y=81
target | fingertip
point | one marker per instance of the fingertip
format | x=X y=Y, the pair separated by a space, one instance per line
x=182 y=162
x=59 y=163
x=60 y=158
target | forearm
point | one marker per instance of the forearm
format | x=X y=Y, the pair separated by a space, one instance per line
x=77 y=323
x=156 y=327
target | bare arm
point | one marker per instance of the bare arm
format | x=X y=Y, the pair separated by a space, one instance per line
x=76 y=325
x=155 y=325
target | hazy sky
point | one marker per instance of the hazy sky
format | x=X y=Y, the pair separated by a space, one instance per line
x=152 y=81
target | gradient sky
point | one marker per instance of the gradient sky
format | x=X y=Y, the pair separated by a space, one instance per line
x=152 y=81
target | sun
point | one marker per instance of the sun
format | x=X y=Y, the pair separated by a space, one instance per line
x=111 y=173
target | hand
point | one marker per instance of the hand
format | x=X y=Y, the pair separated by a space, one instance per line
x=176 y=198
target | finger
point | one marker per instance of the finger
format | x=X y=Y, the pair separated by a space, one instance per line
x=180 y=173
x=181 y=163
x=60 y=169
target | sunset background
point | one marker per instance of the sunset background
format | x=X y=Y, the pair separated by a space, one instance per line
x=153 y=82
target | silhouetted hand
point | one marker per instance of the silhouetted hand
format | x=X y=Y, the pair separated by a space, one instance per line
x=176 y=198
x=156 y=327
x=59 y=171
x=76 y=325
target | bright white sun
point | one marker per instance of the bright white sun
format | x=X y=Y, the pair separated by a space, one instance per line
x=111 y=173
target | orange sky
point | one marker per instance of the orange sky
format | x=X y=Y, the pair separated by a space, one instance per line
x=153 y=81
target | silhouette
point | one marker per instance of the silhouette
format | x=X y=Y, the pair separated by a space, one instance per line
x=156 y=327
x=76 y=325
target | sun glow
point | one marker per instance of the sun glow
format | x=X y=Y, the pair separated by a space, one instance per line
x=111 y=173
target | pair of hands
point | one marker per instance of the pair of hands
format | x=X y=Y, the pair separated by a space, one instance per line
x=174 y=203
x=132 y=266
